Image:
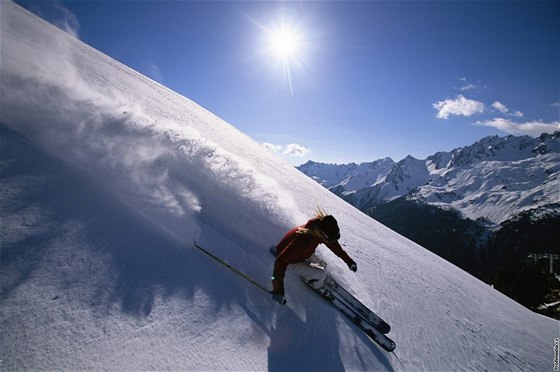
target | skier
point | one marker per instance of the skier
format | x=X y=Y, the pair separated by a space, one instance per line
x=297 y=249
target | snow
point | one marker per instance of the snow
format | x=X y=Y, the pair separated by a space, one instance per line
x=495 y=178
x=351 y=176
x=107 y=178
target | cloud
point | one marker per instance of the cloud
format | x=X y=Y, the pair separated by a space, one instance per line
x=531 y=128
x=498 y=106
x=466 y=85
x=459 y=106
x=292 y=149
x=272 y=147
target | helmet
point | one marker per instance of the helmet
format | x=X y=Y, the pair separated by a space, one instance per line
x=329 y=227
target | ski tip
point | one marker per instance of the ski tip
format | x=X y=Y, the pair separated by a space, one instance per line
x=384 y=328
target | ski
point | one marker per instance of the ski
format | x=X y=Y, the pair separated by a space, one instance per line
x=381 y=339
x=368 y=315
x=349 y=300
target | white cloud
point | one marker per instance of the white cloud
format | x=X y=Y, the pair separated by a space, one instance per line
x=531 y=128
x=498 y=106
x=292 y=149
x=459 y=106
x=272 y=147
x=466 y=85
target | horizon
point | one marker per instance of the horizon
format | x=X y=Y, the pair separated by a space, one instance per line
x=341 y=82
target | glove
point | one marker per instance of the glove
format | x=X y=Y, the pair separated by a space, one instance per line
x=352 y=266
x=278 y=296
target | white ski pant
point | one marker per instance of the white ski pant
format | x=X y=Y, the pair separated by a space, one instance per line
x=311 y=270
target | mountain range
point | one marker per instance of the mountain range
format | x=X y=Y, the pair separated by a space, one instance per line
x=485 y=207
x=495 y=178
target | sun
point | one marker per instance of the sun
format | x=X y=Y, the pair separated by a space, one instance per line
x=285 y=45
x=285 y=42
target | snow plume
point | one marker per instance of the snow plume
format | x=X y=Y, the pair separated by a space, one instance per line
x=57 y=14
x=66 y=20
x=157 y=162
x=160 y=173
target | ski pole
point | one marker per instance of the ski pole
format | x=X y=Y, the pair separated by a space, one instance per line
x=244 y=276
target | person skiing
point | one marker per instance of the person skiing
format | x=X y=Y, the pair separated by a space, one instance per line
x=297 y=248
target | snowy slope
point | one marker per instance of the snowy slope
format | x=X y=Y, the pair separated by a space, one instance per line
x=495 y=178
x=107 y=177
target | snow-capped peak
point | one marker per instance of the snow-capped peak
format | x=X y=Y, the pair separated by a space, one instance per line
x=350 y=176
x=494 y=148
x=495 y=178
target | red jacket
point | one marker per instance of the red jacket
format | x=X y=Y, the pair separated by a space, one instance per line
x=296 y=247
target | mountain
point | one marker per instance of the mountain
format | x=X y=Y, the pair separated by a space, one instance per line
x=349 y=176
x=495 y=178
x=107 y=178
x=484 y=207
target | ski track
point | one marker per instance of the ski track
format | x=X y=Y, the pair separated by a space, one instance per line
x=107 y=178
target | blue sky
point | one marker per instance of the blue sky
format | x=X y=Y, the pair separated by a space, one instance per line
x=364 y=80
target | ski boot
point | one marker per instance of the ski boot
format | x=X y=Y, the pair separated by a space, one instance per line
x=329 y=281
x=326 y=292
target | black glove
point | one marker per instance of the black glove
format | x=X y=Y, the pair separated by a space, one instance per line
x=278 y=296
x=352 y=266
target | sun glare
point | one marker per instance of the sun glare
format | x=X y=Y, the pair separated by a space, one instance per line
x=284 y=43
